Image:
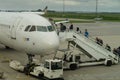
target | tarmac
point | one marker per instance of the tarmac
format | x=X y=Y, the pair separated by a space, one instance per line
x=109 y=32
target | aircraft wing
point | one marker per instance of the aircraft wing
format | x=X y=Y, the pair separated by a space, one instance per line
x=61 y=22
x=39 y=13
x=42 y=12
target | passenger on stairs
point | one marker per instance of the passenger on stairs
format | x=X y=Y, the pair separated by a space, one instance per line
x=78 y=30
x=108 y=47
x=86 y=33
x=115 y=51
x=62 y=27
x=71 y=27
x=118 y=50
x=99 y=41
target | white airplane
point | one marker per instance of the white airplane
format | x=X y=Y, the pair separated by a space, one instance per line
x=30 y=33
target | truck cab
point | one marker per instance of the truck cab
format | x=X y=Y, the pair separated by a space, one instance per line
x=53 y=69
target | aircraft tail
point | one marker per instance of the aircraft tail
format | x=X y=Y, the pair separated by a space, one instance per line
x=45 y=9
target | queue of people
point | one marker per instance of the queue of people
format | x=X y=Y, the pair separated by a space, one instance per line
x=115 y=51
x=64 y=28
x=71 y=27
x=99 y=41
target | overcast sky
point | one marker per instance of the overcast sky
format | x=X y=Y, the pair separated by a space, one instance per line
x=70 y=5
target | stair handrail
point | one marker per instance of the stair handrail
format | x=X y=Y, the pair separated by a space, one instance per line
x=93 y=41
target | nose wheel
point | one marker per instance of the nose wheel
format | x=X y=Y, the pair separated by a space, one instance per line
x=29 y=67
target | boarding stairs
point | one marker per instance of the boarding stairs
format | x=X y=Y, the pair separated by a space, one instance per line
x=88 y=46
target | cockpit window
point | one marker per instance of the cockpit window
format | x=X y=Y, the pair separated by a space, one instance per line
x=41 y=28
x=51 y=28
x=27 y=28
x=33 y=28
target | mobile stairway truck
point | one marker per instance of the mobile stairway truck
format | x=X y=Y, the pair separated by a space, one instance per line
x=89 y=48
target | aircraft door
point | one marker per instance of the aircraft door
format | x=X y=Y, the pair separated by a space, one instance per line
x=15 y=26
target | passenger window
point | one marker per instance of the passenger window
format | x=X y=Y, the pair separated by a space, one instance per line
x=27 y=28
x=33 y=28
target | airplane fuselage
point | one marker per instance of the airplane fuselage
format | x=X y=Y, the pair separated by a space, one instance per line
x=29 y=33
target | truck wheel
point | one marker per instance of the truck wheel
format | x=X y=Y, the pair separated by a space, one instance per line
x=41 y=75
x=109 y=63
x=7 y=47
x=73 y=66
x=60 y=79
x=26 y=71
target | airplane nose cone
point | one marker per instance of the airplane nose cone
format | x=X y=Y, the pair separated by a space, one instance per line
x=53 y=44
x=48 y=43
